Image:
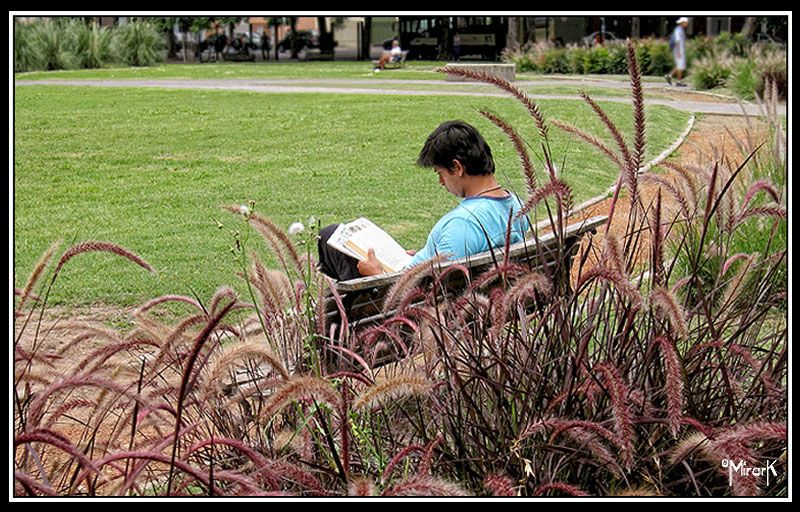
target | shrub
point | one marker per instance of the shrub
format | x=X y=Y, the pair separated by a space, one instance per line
x=596 y=61
x=576 y=58
x=660 y=59
x=554 y=61
x=710 y=72
x=27 y=56
x=733 y=44
x=93 y=44
x=139 y=43
x=615 y=63
x=744 y=80
x=772 y=68
x=55 y=45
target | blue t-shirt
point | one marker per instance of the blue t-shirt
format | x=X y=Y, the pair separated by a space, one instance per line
x=461 y=231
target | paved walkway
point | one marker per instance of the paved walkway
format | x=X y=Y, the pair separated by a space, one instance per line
x=351 y=86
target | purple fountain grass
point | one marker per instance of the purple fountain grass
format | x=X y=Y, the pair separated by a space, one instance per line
x=94 y=246
x=675 y=191
x=505 y=85
x=758 y=368
x=556 y=188
x=667 y=307
x=409 y=280
x=224 y=360
x=297 y=389
x=36 y=408
x=362 y=487
x=32 y=486
x=168 y=298
x=275 y=237
x=263 y=467
x=189 y=366
x=620 y=407
x=425 y=486
x=519 y=146
x=615 y=278
x=627 y=158
x=565 y=488
x=391 y=390
x=499 y=485
x=594 y=141
x=38 y=269
x=673 y=370
x=600 y=453
x=49 y=437
x=637 y=94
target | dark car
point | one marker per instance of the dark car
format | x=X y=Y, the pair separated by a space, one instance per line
x=305 y=39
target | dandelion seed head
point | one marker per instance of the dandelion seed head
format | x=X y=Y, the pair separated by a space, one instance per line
x=296 y=227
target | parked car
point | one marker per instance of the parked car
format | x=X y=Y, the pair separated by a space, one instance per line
x=605 y=37
x=305 y=39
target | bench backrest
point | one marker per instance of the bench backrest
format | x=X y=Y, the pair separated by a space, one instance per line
x=363 y=298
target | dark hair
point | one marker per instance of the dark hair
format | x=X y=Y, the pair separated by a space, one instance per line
x=457 y=140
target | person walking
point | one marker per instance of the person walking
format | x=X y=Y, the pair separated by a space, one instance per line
x=677 y=43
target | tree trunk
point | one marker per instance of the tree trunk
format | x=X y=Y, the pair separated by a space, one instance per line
x=293 y=37
x=512 y=38
x=325 y=37
x=749 y=27
x=530 y=29
x=185 y=47
x=275 y=41
x=366 y=38
x=171 y=53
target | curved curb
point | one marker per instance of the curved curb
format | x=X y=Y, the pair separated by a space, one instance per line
x=646 y=168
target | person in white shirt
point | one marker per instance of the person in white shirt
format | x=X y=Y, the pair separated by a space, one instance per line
x=393 y=55
x=677 y=43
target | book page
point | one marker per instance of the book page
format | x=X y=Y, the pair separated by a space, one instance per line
x=357 y=237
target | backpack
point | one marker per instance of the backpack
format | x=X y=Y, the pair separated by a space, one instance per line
x=672 y=42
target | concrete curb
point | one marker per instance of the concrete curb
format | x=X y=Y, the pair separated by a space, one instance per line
x=646 y=168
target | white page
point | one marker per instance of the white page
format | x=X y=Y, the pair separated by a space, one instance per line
x=357 y=237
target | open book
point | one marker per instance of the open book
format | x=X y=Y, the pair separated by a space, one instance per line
x=357 y=237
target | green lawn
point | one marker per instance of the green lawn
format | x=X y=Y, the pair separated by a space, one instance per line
x=149 y=169
x=418 y=70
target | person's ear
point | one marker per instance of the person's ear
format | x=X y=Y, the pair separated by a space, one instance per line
x=458 y=168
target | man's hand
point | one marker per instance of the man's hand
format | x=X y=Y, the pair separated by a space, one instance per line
x=371 y=266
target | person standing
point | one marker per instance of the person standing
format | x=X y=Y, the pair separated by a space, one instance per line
x=677 y=43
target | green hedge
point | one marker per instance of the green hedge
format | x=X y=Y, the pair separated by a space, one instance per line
x=654 y=58
x=728 y=59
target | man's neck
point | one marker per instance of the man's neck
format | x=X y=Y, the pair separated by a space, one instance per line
x=486 y=186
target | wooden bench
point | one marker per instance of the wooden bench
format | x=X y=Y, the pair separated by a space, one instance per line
x=363 y=298
x=393 y=64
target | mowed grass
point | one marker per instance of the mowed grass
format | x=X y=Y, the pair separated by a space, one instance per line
x=418 y=70
x=149 y=169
